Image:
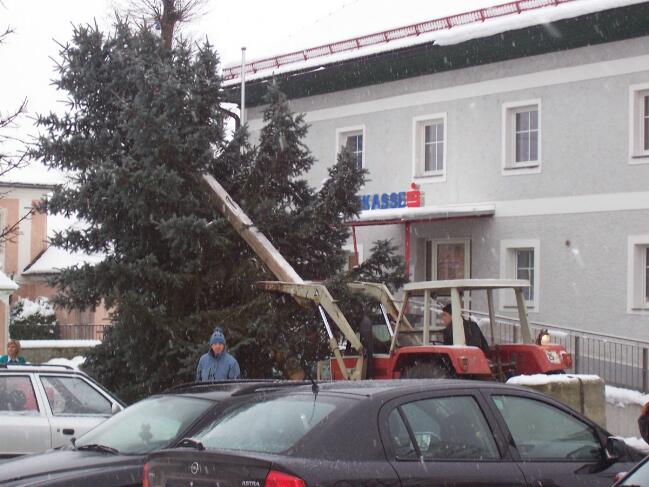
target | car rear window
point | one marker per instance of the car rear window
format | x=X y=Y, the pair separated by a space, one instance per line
x=147 y=425
x=270 y=425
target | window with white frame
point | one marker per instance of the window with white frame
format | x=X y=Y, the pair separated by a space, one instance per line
x=430 y=146
x=519 y=259
x=352 y=139
x=448 y=259
x=525 y=270
x=638 y=274
x=522 y=136
x=639 y=123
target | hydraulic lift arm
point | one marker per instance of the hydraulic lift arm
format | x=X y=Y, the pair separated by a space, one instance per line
x=290 y=282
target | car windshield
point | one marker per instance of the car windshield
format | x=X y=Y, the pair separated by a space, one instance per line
x=147 y=425
x=268 y=426
x=639 y=477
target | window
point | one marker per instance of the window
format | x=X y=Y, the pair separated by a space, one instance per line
x=147 y=425
x=638 y=274
x=17 y=396
x=353 y=139
x=519 y=259
x=639 y=124
x=269 y=426
x=525 y=270
x=448 y=428
x=448 y=259
x=74 y=396
x=544 y=432
x=430 y=147
x=522 y=137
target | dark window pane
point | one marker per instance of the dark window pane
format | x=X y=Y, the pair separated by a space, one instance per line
x=534 y=146
x=440 y=132
x=400 y=437
x=450 y=428
x=440 y=157
x=534 y=119
x=522 y=147
x=429 y=133
x=522 y=121
x=429 y=157
x=544 y=432
x=359 y=142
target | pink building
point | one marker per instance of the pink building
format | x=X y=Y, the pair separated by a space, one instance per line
x=26 y=259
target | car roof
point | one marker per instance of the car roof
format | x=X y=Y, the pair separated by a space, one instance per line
x=66 y=369
x=366 y=388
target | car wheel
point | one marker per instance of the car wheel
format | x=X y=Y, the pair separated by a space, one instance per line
x=426 y=370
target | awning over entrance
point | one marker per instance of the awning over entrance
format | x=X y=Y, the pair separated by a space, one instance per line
x=423 y=213
x=409 y=215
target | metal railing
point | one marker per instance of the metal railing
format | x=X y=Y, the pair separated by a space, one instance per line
x=77 y=331
x=620 y=361
x=413 y=30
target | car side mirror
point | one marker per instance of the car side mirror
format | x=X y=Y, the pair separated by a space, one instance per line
x=616 y=448
x=115 y=408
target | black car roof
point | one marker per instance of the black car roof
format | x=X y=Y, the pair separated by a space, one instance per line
x=367 y=388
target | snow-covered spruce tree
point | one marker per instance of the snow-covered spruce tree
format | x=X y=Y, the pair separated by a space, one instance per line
x=142 y=125
x=307 y=226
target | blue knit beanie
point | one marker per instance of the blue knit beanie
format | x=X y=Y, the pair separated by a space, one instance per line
x=217 y=336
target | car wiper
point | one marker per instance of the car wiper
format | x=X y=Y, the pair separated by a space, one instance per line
x=97 y=447
x=191 y=443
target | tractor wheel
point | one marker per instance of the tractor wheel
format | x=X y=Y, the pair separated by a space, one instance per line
x=426 y=370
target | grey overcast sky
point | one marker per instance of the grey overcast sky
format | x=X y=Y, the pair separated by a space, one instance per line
x=265 y=27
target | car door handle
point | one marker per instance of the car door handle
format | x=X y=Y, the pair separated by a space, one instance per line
x=68 y=431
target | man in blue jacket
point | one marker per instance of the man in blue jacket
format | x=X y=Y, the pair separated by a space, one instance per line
x=217 y=364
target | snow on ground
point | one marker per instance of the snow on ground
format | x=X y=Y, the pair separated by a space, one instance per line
x=541 y=379
x=58 y=343
x=625 y=397
x=75 y=363
x=451 y=36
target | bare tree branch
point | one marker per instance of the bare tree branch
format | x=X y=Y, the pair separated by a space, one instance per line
x=168 y=15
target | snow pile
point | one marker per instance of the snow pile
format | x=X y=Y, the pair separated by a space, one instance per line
x=6 y=283
x=75 y=363
x=637 y=443
x=542 y=379
x=625 y=397
x=26 y=308
x=58 y=343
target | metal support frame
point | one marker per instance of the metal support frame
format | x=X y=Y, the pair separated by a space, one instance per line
x=492 y=314
x=458 y=322
x=526 y=333
x=426 y=317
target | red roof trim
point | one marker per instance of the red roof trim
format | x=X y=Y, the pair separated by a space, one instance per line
x=413 y=30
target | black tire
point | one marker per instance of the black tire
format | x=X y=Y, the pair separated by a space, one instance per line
x=426 y=370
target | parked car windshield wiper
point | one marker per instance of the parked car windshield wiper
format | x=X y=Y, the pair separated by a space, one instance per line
x=96 y=447
x=191 y=443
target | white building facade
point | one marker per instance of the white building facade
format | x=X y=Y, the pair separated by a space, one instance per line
x=529 y=150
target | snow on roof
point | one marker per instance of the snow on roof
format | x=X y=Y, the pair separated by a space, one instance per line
x=320 y=56
x=6 y=284
x=424 y=213
x=54 y=259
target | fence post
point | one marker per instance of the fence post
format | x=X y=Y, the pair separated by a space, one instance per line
x=577 y=352
x=645 y=370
